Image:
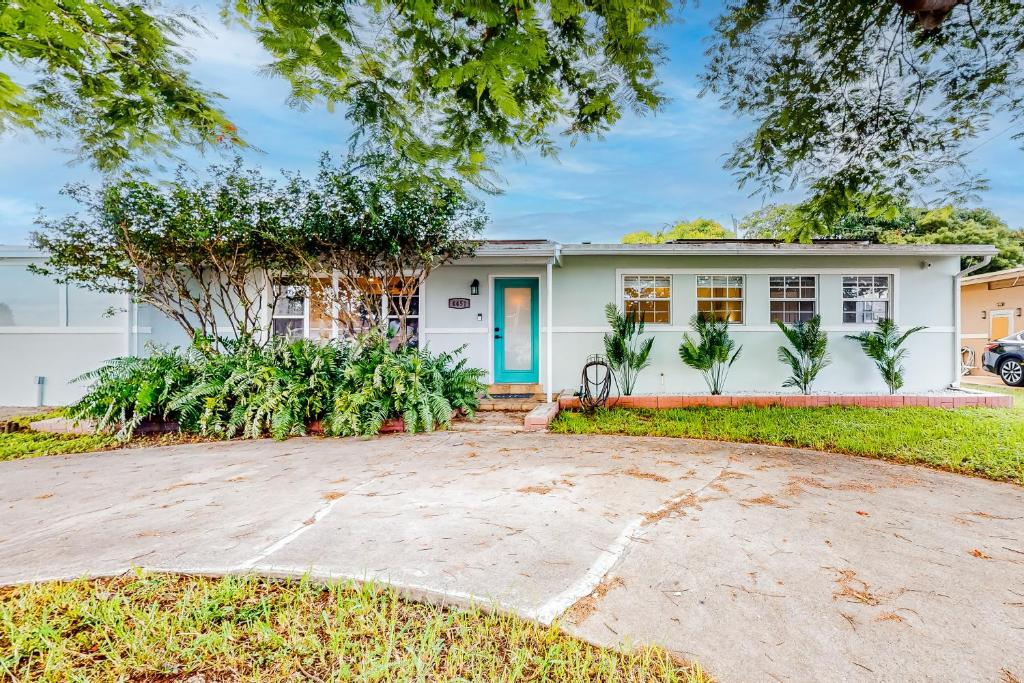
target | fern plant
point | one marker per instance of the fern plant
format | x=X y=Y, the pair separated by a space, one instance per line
x=884 y=345
x=627 y=353
x=381 y=383
x=714 y=351
x=253 y=391
x=809 y=355
x=126 y=391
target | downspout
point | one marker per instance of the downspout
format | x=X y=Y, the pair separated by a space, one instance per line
x=957 y=340
x=551 y=333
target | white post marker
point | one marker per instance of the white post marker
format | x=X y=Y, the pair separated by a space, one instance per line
x=548 y=369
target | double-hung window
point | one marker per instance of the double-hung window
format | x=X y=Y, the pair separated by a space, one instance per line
x=721 y=297
x=866 y=298
x=648 y=298
x=403 y=303
x=792 y=298
x=289 y=316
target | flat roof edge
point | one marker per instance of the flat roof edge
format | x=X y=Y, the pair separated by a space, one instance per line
x=794 y=249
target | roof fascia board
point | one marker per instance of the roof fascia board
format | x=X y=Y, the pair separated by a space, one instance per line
x=734 y=249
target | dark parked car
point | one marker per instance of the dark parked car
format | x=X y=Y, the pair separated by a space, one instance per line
x=1006 y=358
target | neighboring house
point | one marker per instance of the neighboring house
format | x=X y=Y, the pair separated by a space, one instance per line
x=531 y=312
x=991 y=307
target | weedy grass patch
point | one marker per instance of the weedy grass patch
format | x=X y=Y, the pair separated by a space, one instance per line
x=979 y=441
x=169 y=628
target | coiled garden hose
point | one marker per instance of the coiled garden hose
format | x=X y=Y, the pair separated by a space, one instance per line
x=596 y=383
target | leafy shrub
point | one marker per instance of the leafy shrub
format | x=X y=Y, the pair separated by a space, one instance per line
x=627 y=355
x=714 y=352
x=381 y=383
x=280 y=388
x=128 y=390
x=277 y=389
x=884 y=345
x=809 y=355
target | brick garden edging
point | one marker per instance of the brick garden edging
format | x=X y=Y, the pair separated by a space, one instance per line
x=540 y=417
x=801 y=401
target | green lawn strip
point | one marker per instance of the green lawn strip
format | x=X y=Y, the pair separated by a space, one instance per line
x=29 y=444
x=980 y=441
x=169 y=627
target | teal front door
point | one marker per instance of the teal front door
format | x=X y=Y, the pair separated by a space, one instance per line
x=516 y=331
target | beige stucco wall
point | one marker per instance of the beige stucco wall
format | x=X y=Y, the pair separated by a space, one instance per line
x=977 y=298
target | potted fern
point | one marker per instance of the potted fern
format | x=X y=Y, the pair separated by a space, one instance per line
x=714 y=351
x=809 y=355
x=627 y=353
x=884 y=345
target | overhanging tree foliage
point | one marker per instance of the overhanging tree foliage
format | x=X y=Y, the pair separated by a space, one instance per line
x=107 y=73
x=377 y=224
x=215 y=255
x=878 y=99
x=202 y=252
x=446 y=81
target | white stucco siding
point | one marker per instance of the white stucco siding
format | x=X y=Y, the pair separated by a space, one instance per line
x=57 y=332
x=584 y=284
x=446 y=329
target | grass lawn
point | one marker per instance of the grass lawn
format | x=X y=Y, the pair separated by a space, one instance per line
x=159 y=627
x=29 y=444
x=988 y=442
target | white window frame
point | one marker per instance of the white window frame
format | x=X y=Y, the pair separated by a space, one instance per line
x=385 y=310
x=623 y=298
x=304 y=316
x=889 y=300
x=385 y=302
x=697 y=298
x=814 y=300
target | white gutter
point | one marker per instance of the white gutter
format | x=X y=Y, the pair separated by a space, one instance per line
x=958 y=357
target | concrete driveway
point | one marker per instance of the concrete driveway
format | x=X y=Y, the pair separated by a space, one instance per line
x=761 y=563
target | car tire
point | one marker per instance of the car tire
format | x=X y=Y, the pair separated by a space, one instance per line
x=1011 y=371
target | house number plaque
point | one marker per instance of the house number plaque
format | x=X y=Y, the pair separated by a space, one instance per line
x=458 y=303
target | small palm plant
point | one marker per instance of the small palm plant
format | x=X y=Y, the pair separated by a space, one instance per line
x=713 y=354
x=809 y=354
x=885 y=346
x=627 y=354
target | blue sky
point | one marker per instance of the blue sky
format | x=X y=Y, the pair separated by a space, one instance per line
x=647 y=172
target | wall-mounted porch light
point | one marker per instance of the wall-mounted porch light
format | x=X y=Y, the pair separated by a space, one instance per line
x=1018 y=311
x=984 y=314
x=474 y=287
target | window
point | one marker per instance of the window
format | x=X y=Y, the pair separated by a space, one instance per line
x=793 y=298
x=648 y=298
x=290 y=313
x=404 y=298
x=865 y=298
x=87 y=308
x=289 y=318
x=721 y=297
x=27 y=299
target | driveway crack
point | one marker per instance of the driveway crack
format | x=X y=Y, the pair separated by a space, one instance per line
x=611 y=557
x=302 y=528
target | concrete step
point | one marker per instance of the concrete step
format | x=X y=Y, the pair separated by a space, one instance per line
x=513 y=388
x=508 y=404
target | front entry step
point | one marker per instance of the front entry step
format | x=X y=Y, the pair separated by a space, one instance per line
x=512 y=397
x=490 y=403
x=507 y=389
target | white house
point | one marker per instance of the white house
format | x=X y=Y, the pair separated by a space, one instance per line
x=531 y=312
